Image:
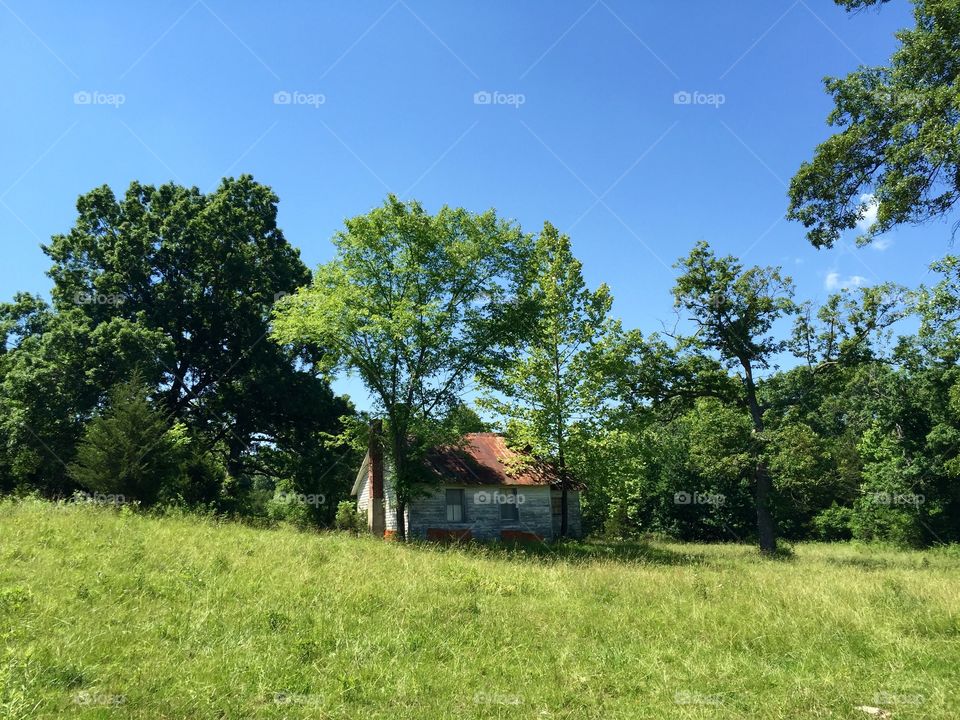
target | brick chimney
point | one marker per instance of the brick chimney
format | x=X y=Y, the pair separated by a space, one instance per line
x=376 y=512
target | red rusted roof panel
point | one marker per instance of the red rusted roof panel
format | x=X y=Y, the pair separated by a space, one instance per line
x=485 y=459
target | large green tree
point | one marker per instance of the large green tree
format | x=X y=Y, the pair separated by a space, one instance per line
x=414 y=304
x=179 y=285
x=896 y=156
x=734 y=310
x=556 y=380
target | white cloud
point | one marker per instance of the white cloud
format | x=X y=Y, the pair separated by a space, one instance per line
x=834 y=281
x=869 y=215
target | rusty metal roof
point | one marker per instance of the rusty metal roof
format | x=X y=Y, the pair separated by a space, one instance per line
x=485 y=459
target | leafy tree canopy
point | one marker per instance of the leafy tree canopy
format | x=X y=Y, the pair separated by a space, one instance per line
x=415 y=304
x=897 y=151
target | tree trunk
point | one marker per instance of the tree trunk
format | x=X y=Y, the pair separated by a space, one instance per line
x=401 y=521
x=563 y=494
x=399 y=482
x=235 y=458
x=765 y=525
x=763 y=484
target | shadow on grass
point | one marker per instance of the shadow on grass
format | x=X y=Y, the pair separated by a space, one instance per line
x=569 y=551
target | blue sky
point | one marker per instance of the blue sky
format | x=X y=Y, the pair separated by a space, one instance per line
x=582 y=127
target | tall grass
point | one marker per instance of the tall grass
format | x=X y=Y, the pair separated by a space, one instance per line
x=106 y=614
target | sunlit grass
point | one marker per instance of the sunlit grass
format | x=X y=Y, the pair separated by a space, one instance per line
x=113 y=615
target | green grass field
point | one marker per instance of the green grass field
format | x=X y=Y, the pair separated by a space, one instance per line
x=115 y=615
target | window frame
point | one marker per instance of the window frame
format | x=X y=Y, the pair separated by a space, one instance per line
x=515 y=513
x=462 y=504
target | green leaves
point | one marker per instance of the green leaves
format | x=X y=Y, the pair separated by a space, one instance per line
x=733 y=308
x=899 y=145
x=557 y=379
x=177 y=285
x=415 y=304
x=130 y=451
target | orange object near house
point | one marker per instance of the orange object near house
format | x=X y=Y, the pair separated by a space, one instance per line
x=448 y=535
x=520 y=535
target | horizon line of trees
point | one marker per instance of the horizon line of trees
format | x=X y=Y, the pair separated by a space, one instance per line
x=203 y=381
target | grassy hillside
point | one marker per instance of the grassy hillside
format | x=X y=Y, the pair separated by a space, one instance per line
x=112 y=615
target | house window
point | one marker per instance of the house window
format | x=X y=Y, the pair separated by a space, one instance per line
x=455 y=506
x=555 y=502
x=509 y=510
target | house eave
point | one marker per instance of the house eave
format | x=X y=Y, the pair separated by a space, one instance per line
x=361 y=475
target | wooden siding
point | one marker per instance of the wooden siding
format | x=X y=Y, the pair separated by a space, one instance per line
x=574 y=525
x=483 y=512
x=390 y=507
x=363 y=496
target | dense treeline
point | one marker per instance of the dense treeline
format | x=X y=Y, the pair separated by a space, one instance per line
x=150 y=365
x=185 y=356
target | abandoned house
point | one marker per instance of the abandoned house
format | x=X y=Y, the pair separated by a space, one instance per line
x=482 y=490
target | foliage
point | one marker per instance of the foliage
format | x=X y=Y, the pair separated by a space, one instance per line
x=858 y=436
x=556 y=381
x=414 y=304
x=348 y=518
x=734 y=310
x=130 y=450
x=177 y=285
x=463 y=419
x=896 y=153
